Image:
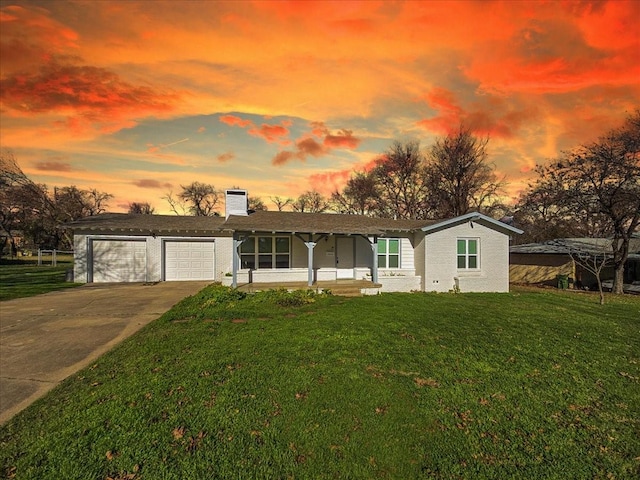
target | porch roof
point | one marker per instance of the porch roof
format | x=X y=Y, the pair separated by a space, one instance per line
x=320 y=223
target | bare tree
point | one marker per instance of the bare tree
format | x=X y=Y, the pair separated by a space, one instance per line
x=199 y=199
x=459 y=178
x=311 y=202
x=39 y=213
x=141 y=208
x=96 y=202
x=281 y=203
x=360 y=195
x=256 y=204
x=593 y=256
x=541 y=213
x=176 y=204
x=400 y=180
x=67 y=204
x=19 y=199
x=600 y=182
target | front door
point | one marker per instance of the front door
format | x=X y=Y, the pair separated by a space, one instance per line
x=345 y=255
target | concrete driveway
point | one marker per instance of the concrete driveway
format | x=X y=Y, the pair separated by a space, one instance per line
x=46 y=338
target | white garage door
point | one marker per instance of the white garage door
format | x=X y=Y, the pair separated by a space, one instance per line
x=188 y=260
x=119 y=261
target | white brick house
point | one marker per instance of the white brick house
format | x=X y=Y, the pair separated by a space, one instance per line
x=469 y=253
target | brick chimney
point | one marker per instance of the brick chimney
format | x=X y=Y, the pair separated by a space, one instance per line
x=236 y=202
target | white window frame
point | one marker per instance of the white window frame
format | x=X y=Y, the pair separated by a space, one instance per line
x=273 y=253
x=386 y=255
x=466 y=255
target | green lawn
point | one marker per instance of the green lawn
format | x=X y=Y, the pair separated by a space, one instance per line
x=25 y=278
x=530 y=385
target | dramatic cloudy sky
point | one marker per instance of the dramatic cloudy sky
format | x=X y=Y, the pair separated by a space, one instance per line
x=138 y=98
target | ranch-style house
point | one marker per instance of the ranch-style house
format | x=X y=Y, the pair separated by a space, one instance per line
x=469 y=253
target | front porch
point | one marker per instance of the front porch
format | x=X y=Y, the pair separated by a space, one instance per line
x=345 y=288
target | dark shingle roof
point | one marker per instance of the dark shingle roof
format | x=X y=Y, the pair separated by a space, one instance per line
x=296 y=222
x=262 y=221
x=139 y=223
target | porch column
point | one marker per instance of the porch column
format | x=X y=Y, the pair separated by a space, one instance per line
x=237 y=241
x=374 y=268
x=310 y=246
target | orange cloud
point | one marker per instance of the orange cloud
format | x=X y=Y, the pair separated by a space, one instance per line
x=344 y=139
x=319 y=129
x=225 y=157
x=328 y=182
x=553 y=54
x=271 y=133
x=91 y=99
x=307 y=146
x=151 y=183
x=304 y=147
x=53 y=166
x=235 y=121
x=492 y=116
x=283 y=157
x=81 y=88
x=29 y=36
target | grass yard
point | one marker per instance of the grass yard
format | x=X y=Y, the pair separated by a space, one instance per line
x=531 y=385
x=26 y=278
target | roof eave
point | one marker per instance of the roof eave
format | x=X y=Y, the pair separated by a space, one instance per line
x=470 y=217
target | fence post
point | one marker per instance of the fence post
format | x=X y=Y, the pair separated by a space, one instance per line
x=39 y=257
x=54 y=258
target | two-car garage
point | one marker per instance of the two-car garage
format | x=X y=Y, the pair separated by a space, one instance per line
x=133 y=259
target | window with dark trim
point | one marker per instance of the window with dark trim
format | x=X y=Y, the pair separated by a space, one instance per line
x=468 y=254
x=388 y=253
x=265 y=252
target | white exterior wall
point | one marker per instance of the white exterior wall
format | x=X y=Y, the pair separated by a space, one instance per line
x=224 y=256
x=364 y=254
x=80 y=267
x=407 y=254
x=154 y=259
x=441 y=269
x=403 y=283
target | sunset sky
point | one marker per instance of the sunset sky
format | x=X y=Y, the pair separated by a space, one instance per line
x=138 y=98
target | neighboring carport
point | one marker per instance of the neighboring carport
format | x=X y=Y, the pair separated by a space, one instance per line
x=46 y=338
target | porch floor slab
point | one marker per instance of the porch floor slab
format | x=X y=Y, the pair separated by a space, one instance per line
x=346 y=287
